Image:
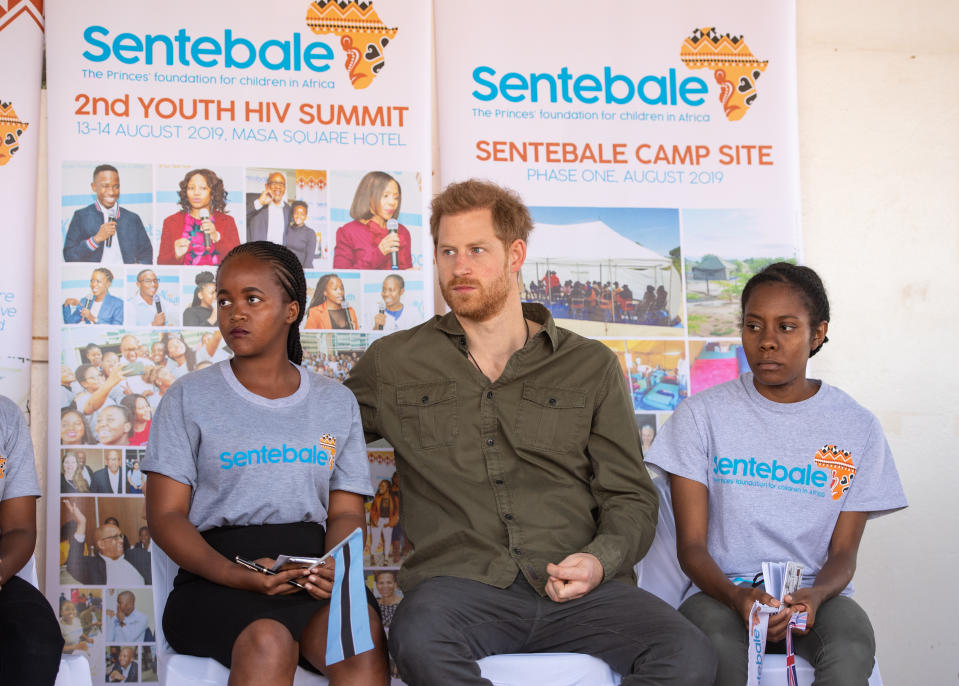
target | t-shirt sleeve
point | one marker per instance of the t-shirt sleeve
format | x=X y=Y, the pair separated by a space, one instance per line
x=351 y=468
x=680 y=447
x=174 y=441
x=18 y=472
x=876 y=487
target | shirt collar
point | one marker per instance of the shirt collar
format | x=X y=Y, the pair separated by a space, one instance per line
x=112 y=211
x=449 y=324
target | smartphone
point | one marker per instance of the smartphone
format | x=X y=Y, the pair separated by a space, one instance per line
x=313 y=561
x=256 y=567
x=298 y=560
x=132 y=369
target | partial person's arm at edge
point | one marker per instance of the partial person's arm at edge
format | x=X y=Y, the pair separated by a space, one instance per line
x=310 y=249
x=168 y=507
x=364 y=384
x=18 y=534
x=75 y=247
x=628 y=502
x=838 y=570
x=691 y=509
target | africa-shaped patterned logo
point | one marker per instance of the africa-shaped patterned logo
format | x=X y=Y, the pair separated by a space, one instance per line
x=3 y=462
x=11 y=128
x=734 y=67
x=328 y=443
x=363 y=36
x=840 y=466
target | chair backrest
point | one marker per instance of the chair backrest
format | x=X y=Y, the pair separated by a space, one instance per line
x=164 y=571
x=29 y=572
x=659 y=571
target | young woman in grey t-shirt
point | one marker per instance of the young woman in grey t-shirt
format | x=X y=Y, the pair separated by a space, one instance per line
x=775 y=466
x=260 y=626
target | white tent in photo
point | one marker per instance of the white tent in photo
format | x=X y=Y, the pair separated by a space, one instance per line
x=592 y=251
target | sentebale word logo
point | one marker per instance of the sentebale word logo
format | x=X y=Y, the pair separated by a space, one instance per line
x=610 y=88
x=228 y=51
x=322 y=455
x=734 y=67
x=363 y=36
x=770 y=471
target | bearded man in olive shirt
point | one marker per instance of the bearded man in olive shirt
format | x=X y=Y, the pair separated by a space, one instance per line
x=524 y=491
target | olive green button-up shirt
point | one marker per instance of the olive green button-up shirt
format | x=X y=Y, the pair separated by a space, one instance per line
x=506 y=476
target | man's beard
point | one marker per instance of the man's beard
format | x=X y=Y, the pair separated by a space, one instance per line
x=482 y=304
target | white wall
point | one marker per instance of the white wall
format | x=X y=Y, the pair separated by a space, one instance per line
x=879 y=150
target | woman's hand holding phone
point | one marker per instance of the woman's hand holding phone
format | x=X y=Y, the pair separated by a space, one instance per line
x=319 y=580
x=265 y=580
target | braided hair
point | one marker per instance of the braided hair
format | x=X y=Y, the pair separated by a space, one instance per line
x=289 y=274
x=804 y=281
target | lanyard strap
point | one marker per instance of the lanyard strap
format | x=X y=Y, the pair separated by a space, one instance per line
x=757 y=627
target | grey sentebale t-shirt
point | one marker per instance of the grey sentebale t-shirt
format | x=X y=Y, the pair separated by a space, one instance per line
x=18 y=474
x=252 y=460
x=778 y=474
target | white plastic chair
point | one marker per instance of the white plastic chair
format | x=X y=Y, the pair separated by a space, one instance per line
x=74 y=669
x=556 y=669
x=660 y=574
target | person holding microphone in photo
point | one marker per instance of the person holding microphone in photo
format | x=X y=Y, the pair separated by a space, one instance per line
x=211 y=496
x=201 y=233
x=327 y=308
x=99 y=307
x=374 y=239
x=393 y=315
x=102 y=232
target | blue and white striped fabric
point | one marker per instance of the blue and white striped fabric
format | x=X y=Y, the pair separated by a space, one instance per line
x=348 y=631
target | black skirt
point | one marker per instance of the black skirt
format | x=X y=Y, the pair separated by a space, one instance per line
x=204 y=619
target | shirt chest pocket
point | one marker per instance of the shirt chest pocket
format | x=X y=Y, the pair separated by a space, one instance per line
x=427 y=413
x=552 y=419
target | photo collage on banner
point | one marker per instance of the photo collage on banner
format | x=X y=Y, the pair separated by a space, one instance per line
x=160 y=163
x=659 y=179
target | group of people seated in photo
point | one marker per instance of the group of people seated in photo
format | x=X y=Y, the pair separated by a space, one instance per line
x=600 y=301
x=525 y=490
x=333 y=365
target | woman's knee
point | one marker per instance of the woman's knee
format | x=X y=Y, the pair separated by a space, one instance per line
x=841 y=645
x=265 y=639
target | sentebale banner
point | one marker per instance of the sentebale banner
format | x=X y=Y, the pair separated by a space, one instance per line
x=21 y=53
x=179 y=130
x=656 y=145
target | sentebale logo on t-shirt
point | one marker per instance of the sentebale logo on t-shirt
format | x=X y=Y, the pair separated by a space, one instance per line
x=322 y=455
x=836 y=472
